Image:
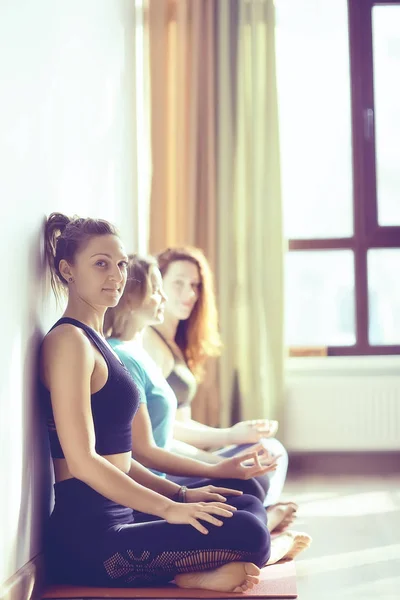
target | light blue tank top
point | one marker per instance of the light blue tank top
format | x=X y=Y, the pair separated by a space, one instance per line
x=153 y=390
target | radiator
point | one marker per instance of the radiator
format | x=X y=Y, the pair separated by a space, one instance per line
x=342 y=413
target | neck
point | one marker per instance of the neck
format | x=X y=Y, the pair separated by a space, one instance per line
x=134 y=331
x=89 y=315
x=168 y=328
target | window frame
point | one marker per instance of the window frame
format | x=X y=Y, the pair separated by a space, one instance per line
x=367 y=234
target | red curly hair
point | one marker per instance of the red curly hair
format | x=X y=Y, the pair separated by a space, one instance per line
x=197 y=337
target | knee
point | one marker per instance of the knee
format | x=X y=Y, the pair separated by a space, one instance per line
x=249 y=504
x=253 y=488
x=254 y=537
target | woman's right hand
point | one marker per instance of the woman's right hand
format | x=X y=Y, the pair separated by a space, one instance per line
x=195 y=512
x=252 y=462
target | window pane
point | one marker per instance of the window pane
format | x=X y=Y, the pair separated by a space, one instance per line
x=384 y=296
x=315 y=117
x=319 y=294
x=386 y=49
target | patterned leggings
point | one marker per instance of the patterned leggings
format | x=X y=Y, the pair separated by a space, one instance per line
x=91 y=540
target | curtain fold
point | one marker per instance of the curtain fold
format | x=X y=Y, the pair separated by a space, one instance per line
x=183 y=96
x=216 y=184
x=135 y=223
x=250 y=240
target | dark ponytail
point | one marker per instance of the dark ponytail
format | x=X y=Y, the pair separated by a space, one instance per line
x=64 y=236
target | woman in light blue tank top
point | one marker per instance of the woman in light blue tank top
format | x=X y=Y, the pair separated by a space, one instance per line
x=142 y=305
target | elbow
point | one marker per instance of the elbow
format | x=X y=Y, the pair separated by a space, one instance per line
x=80 y=467
x=146 y=456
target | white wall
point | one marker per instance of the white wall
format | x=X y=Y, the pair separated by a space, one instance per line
x=66 y=121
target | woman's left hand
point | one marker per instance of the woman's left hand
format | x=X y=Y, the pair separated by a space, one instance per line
x=210 y=493
x=250 y=432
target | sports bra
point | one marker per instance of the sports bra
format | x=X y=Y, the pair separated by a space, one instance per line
x=113 y=406
x=181 y=378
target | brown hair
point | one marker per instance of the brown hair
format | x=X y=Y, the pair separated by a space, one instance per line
x=64 y=236
x=136 y=289
x=198 y=336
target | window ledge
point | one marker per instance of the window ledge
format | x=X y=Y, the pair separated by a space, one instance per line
x=351 y=365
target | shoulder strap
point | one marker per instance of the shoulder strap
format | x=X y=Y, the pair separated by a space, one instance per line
x=94 y=337
x=164 y=340
x=175 y=354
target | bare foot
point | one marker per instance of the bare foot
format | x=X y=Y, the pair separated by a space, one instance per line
x=291 y=503
x=233 y=577
x=288 y=545
x=281 y=515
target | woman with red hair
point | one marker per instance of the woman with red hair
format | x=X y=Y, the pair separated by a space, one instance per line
x=181 y=346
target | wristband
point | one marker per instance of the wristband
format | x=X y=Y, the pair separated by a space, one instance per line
x=182 y=493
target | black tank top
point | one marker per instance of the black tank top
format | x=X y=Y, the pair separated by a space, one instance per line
x=181 y=378
x=113 y=406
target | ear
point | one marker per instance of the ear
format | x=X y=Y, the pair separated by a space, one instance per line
x=65 y=270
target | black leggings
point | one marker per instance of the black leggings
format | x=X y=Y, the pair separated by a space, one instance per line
x=91 y=540
x=267 y=488
x=256 y=486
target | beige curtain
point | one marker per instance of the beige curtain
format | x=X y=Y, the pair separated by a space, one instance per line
x=250 y=243
x=183 y=96
x=140 y=124
x=215 y=136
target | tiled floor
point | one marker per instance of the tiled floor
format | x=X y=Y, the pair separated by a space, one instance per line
x=355 y=525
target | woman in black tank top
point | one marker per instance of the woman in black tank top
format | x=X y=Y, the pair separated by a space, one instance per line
x=115 y=523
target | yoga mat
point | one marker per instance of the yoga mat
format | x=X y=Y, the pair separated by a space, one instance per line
x=277 y=581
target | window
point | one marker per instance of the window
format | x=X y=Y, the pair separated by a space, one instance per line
x=338 y=65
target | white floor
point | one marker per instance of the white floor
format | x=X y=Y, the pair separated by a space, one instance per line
x=355 y=525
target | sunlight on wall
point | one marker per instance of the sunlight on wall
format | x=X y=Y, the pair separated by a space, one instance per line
x=66 y=144
x=11 y=453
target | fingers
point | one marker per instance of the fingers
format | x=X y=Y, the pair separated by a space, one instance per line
x=255 y=457
x=194 y=523
x=264 y=456
x=258 y=422
x=264 y=427
x=227 y=491
x=206 y=513
x=215 y=497
x=243 y=457
x=271 y=461
x=256 y=472
x=208 y=518
x=274 y=427
x=224 y=510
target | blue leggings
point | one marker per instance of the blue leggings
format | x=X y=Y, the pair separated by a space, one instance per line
x=91 y=540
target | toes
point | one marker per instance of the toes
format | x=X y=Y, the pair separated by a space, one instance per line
x=250 y=585
x=253 y=578
x=246 y=585
x=252 y=569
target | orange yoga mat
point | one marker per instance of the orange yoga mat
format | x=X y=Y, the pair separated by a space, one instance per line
x=277 y=581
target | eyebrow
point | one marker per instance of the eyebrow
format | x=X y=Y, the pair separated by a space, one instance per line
x=186 y=277
x=123 y=256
